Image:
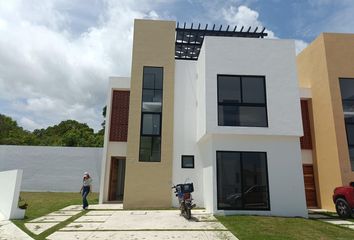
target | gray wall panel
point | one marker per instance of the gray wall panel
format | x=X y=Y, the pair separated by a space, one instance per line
x=52 y=168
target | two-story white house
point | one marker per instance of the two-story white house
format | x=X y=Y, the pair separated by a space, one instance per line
x=219 y=108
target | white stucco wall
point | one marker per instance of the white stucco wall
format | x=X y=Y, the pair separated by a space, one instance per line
x=185 y=129
x=196 y=131
x=272 y=58
x=57 y=169
x=286 y=183
x=201 y=97
x=110 y=149
x=10 y=192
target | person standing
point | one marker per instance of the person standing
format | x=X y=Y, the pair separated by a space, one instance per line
x=86 y=189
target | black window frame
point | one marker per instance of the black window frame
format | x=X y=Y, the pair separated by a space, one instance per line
x=182 y=163
x=242 y=104
x=242 y=187
x=153 y=113
x=347 y=122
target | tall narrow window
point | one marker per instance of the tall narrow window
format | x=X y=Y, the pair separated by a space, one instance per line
x=347 y=92
x=242 y=181
x=242 y=101
x=151 y=115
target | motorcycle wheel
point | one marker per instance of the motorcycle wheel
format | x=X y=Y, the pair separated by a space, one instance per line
x=188 y=213
x=182 y=208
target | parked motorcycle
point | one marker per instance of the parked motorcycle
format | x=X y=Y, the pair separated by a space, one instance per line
x=183 y=193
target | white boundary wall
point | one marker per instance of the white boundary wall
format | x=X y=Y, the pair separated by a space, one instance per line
x=57 y=169
x=10 y=192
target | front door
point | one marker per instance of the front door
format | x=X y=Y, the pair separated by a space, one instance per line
x=310 y=189
x=116 y=181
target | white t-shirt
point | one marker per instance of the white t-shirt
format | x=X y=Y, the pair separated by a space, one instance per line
x=87 y=182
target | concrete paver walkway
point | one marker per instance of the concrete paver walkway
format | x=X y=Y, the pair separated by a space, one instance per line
x=41 y=224
x=331 y=219
x=9 y=231
x=103 y=222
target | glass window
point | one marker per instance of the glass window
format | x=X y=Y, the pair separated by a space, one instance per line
x=253 y=90
x=152 y=100
x=255 y=190
x=350 y=133
x=229 y=180
x=149 y=81
x=228 y=115
x=151 y=124
x=152 y=78
x=242 y=181
x=252 y=116
x=187 y=161
x=242 y=101
x=347 y=93
x=347 y=89
x=351 y=156
x=150 y=148
x=151 y=106
x=150 y=95
x=229 y=89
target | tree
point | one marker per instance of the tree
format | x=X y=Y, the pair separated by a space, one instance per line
x=104 y=111
x=69 y=133
x=12 y=134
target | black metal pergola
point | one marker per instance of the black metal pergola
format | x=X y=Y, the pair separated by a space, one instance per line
x=190 y=40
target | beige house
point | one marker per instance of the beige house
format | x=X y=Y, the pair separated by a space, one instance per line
x=326 y=71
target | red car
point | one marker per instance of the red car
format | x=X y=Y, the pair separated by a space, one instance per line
x=343 y=198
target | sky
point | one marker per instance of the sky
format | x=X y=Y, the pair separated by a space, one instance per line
x=56 y=55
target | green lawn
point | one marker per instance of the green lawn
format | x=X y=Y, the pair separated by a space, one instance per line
x=277 y=228
x=42 y=203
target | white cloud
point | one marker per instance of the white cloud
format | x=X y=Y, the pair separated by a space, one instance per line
x=51 y=73
x=300 y=45
x=29 y=124
x=244 y=16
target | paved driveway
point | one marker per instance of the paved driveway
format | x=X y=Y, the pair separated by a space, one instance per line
x=103 y=222
x=9 y=231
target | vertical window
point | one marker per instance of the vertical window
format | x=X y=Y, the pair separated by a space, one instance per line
x=187 y=161
x=151 y=115
x=242 y=181
x=347 y=92
x=242 y=101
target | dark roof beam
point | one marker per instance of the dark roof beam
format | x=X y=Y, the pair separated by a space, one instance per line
x=184 y=27
x=194 y=47
x=189 y=40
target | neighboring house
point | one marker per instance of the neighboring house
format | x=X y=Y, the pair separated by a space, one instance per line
x=326 y=69
x=217 y=108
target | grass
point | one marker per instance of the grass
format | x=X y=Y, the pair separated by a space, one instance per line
x=42 y=203
x=278 y=228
